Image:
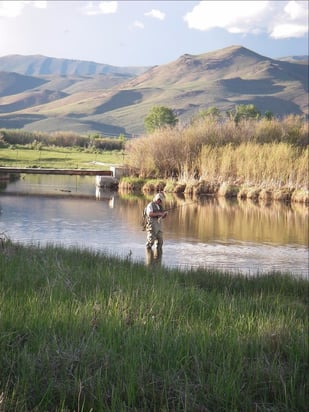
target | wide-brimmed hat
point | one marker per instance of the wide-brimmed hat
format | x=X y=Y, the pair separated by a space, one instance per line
x=159 y=196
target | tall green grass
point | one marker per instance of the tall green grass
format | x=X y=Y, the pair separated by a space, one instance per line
x=81 y=331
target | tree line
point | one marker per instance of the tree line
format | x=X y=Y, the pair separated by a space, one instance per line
x=160 y=116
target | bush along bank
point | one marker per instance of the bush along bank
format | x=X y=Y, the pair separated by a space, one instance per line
x=216 y=189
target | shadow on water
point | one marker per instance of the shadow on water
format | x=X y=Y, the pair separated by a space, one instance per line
x=237 y=236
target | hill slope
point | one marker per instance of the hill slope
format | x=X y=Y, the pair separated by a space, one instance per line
x=117 y=101
x=38 y=65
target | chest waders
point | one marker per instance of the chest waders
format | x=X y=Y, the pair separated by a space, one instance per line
x=154 y=229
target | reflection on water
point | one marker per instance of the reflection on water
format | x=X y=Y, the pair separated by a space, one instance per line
x=153 y=257
x=238 y=236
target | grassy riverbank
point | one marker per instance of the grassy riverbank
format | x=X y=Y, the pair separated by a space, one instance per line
x=82 y=331
x=57 y=157
x=258 y=159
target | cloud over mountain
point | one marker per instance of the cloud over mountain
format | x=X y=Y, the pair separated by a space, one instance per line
x=277 y=19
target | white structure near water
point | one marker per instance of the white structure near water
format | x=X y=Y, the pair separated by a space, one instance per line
x=113 y=180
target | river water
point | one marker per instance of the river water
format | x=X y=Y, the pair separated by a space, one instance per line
x=238 y=236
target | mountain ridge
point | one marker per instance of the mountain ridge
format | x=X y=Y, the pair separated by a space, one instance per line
x=38 y=64
x=118 y=101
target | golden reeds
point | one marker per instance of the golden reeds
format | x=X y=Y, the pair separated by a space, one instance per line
x=265 y=153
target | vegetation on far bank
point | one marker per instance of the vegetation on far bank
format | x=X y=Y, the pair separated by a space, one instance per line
x=204 y=148
x=37 y=140
x=58 y=157
x=86 y=332
x=249 y=158
x=261 y=157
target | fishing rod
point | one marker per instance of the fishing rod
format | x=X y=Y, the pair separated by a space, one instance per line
x=144 y=217
x=176 y=207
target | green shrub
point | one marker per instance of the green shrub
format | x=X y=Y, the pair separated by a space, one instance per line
x=60 y=139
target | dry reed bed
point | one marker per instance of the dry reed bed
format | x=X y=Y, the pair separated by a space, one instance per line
x=257 y=159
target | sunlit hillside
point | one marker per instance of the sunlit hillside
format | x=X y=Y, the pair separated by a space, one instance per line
x=115 y=101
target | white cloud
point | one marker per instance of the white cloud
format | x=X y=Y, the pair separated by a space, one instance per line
x=281 y=19
x=94 y=8
x=11 y=8
x=40 y=4
x=108 y=7
x=283 y=31
x=138 y=25
x=295 y=9
x=15 y=8
x=157 y=14
x=292 y=21
x=234 y=16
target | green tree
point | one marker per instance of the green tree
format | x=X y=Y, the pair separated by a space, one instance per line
x=212 y=112
x=159 y=116
x=246 y=111
x=122 y=139
x=268 y=115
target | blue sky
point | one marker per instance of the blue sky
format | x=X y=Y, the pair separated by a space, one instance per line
x=147 y=33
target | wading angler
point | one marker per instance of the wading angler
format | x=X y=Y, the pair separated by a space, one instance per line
x=154 y=214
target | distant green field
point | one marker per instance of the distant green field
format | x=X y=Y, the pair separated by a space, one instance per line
x=53 y=157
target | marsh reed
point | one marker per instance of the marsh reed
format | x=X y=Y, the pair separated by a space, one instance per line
x=268 y=153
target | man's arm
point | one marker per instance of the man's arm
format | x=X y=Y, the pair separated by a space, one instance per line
x=158 y=214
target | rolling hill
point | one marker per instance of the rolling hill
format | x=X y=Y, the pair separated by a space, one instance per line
x=49 y=94
x=37 y=65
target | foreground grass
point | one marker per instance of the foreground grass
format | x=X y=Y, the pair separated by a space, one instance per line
x=58 y=158
x=81 y=331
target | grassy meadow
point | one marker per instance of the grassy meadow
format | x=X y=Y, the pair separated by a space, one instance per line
x=58 y=157
x=81 y=331
x=59 y=150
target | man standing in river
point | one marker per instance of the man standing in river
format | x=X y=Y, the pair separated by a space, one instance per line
x=154 y=216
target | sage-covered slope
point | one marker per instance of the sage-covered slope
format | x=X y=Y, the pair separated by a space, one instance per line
x=116 y=100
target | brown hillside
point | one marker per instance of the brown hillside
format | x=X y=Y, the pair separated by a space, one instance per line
x=113 y=102
x=13 y=83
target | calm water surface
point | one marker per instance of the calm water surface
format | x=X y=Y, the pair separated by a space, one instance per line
x=236 y=236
